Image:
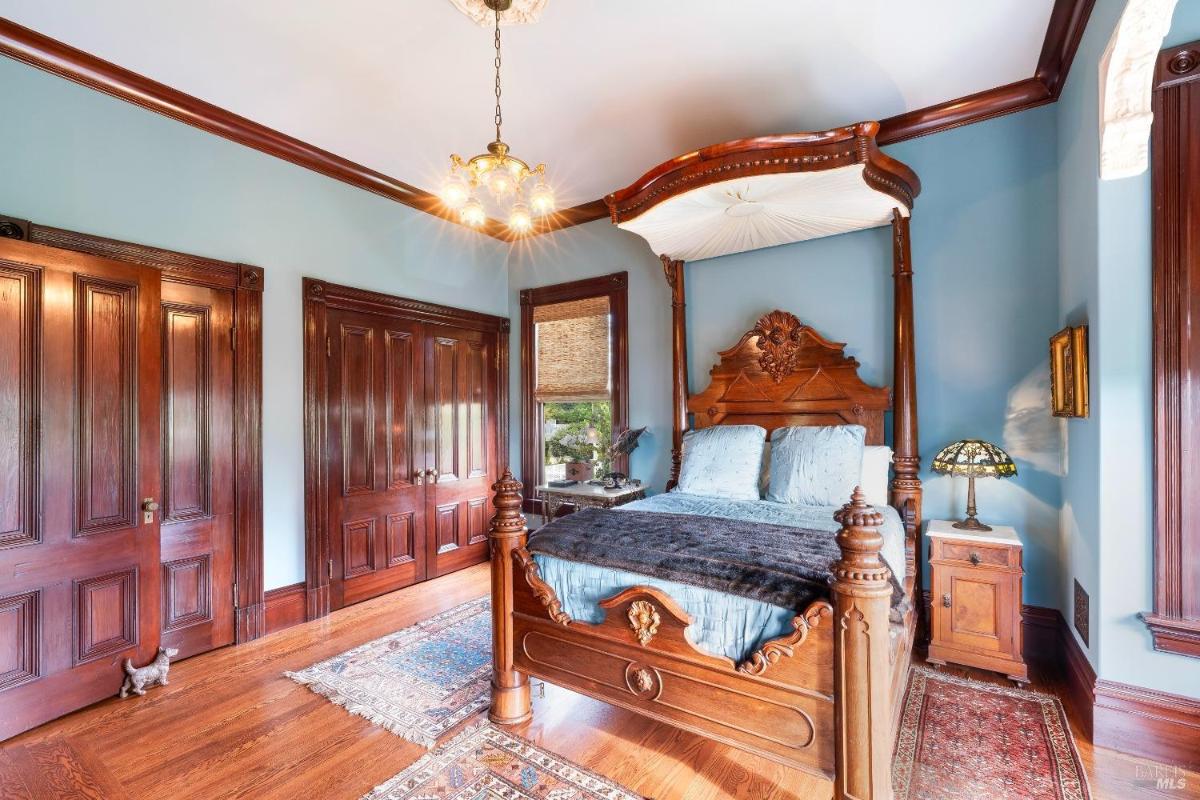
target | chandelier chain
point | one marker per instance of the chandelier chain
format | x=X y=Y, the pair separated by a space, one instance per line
x=499 y=116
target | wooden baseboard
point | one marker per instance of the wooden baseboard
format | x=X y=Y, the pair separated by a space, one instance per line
x=1078 y=677
x=286 y=607
x=1143 y=722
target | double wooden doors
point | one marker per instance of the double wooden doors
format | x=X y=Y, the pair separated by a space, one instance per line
x=412 y=430
x=116 y=476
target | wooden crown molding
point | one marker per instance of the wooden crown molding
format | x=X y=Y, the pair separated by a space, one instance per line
x=1067 y=22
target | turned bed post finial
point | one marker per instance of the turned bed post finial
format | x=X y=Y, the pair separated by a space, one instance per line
x=510 y=689
x=862 y=705
x=673 y=271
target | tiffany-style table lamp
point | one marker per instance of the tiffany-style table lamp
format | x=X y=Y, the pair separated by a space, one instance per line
x=973 y=458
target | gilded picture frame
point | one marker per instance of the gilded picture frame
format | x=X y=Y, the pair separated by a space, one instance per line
x=1069 y=372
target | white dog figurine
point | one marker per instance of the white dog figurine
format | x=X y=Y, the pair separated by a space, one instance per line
x=136 y=680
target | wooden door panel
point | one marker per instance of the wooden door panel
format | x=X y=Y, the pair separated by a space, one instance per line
x=445 y=406
x=20 y=639
x=187 y=592
x=462 y=376
x=20 y=319
x=186 y=367
x=377 y=455
x=79 y=407
x=402 y=425
x=198 y=482
x=107 y=373
x=401 y=538
x=357 y=398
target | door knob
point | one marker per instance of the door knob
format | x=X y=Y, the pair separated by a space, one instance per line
x=946 y=600
x=432 y=474
x=149 y=505
x=418 y=477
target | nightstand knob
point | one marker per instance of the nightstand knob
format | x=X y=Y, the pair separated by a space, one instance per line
x=974 y=557
x=946 y=600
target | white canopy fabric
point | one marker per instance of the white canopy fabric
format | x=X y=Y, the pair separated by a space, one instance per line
x=762 y=211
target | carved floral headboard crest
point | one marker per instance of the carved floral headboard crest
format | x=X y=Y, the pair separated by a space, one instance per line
x=782 y=372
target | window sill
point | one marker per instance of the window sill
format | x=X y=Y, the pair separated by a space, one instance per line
x=1174 y=634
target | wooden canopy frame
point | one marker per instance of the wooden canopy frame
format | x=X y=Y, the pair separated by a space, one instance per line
x=826 y=697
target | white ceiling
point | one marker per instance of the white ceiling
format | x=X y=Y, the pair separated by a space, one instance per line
x=600 y=91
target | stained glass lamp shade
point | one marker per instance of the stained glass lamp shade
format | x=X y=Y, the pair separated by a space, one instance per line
x=973 y=458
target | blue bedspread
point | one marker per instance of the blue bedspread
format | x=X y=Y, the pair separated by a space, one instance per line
x=724 y=624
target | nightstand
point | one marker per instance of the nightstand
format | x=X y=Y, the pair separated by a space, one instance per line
x=976 y=597
x=588 y=495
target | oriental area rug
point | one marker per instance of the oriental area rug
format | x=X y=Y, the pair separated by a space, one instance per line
x=486 y=763
x=419 y=682
x=964 y=740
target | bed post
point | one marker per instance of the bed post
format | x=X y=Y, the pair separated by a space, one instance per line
x=679 y=372
x=510 y=688
x=906 y=484
x=862 y=704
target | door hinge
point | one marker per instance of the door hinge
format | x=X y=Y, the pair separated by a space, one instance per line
x=328 y=346
x=233 y=337
x=331 y=569
x=235 y=595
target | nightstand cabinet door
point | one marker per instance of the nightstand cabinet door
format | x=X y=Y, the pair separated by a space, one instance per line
x=972 y=609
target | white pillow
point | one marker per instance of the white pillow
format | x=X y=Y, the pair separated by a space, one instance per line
x=816 y=465
x=877 y=461
x=722 y=461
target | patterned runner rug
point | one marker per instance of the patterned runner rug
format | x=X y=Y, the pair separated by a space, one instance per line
x=964 y=740
x=418 y=682
x=484 y=762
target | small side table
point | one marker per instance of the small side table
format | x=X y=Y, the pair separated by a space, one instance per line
x=976 y=598
x=585 y=494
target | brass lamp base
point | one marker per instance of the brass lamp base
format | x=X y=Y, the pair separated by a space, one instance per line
x=971 y=523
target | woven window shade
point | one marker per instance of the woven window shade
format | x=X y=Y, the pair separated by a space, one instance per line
x=572 y=350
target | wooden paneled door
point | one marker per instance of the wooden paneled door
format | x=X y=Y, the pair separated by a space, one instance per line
x=376 y=455
x=79 y=462
x=461 y=430
x=197 y=455
x=405 y=424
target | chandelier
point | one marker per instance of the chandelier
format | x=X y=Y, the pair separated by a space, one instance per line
x=504 y=175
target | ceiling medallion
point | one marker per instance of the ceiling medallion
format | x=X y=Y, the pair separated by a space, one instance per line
x=504 y=175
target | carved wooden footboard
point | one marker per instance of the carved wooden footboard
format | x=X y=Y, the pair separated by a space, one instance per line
x=818 y=699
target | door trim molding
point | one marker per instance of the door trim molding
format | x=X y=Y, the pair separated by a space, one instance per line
x=320 y=296
x=246 y=283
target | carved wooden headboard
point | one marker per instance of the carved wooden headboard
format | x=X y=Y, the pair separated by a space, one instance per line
x=782 y=372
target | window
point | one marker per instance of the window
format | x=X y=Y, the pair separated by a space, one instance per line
x=574 y=379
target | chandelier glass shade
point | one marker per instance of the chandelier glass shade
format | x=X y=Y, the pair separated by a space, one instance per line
x=505 y=177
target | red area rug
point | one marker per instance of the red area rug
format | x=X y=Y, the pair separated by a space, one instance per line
x=965 y=740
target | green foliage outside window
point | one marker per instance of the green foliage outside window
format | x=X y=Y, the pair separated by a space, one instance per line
x=584 y=433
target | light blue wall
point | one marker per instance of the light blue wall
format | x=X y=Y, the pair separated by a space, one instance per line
x=1105 y=247
x=986 y=290
x=78 y=159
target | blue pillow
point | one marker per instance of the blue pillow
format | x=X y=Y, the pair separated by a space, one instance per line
x=723 y=461
x=816 y=466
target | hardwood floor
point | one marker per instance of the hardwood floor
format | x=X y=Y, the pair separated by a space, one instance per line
x=231 y=725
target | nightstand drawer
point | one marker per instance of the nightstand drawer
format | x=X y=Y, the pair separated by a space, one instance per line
x=976 y=554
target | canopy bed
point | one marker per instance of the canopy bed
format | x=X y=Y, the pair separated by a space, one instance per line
x=821 y=694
